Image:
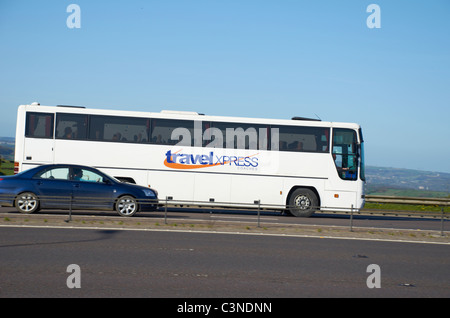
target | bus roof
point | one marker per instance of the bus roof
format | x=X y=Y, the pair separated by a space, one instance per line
x=187 y=115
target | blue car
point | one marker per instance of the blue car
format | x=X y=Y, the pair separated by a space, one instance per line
x=65 y=186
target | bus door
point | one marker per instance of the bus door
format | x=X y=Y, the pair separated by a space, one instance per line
x=345 y=153
x=38 y=151
x=39 y=143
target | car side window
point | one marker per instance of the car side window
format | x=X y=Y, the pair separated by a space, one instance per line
x=56 y=174
x=86 y=175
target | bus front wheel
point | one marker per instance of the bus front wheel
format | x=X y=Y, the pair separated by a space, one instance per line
x=303 y=202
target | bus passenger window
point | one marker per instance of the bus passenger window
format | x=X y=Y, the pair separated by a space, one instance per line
x=71 y=126
x=163 y=130
x=119 y=129
x=39 y=125
x=303 y=139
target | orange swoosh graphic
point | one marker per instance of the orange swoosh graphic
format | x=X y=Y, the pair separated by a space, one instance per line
x=175 y=165
x=185 y=166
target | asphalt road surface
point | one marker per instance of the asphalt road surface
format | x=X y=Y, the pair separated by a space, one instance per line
x=163 y=263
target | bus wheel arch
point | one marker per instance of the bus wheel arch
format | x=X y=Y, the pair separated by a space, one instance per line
x=126 y=179
x=302 y=201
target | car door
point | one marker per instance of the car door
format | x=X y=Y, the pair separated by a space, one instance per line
x=91 y=190
x=53 y=187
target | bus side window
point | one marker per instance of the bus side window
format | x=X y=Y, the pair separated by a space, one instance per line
x=162 y=131
x=303 y=139
x=71 y=126
x=119 y=129
x=39 y=125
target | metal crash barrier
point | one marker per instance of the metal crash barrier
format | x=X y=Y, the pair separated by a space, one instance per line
x=95 y=203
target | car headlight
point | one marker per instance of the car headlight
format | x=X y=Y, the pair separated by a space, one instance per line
x=149 y=193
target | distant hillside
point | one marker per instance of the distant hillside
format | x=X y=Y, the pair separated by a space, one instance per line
x=8 y=140
x=7 y=148
x=408 y=182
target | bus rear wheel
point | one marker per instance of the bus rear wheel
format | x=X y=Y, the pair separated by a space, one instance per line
x=303 y=202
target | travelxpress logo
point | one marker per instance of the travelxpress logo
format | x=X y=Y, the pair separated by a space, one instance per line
x=178 y=160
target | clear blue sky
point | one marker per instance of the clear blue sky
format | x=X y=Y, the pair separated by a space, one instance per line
x=251 y=58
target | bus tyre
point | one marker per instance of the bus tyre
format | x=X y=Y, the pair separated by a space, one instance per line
x=126 y=206
x=303 y=202
x=27 y=202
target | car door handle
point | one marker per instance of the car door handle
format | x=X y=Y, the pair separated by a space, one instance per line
x=76 y=185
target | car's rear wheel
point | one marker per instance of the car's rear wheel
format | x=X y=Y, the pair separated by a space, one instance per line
x=126 y=206
x=27 y=202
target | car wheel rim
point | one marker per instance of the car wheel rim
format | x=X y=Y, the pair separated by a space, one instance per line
x=27 y=203
x=127 y=206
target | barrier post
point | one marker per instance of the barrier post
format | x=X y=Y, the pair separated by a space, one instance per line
x=70 y=208
x=165 y=212
x=259 y=214
x=442 y=221
x=351 y=219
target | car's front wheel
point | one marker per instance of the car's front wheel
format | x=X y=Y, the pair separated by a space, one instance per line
x=126 y=206
x=27 y=202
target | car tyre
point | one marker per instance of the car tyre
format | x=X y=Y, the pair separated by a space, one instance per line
x=27 y=202
x=126 y=206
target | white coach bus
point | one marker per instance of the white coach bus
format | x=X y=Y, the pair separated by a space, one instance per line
x=299 y=165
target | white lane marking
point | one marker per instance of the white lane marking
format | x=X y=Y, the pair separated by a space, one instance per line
x=253 y=218
x=230 y=233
